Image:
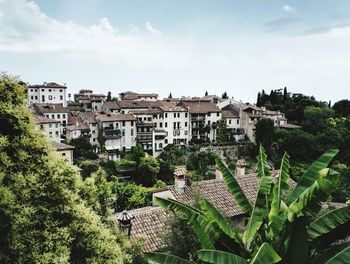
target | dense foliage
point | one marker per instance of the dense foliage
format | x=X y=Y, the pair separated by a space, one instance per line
x=282 y=227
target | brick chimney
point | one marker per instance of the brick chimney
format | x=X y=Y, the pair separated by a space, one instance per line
x=240 y=167
x=180 y=178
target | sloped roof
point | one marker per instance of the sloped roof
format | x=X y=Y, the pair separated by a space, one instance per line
x=199 y=107
x=229 y=114
x=150 y=222
x=88 y=117
x=48 y=85
x=50 y=108
x=44 y=120
x=115 y=117
x=60 y=146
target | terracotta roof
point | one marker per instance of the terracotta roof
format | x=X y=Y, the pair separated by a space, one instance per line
x=133 y=104
x=111 y=105
x=115 y=117
x=79 y=125
x=180 y=170
x=149 y=111
x=60 y=146
x=134 y=96
x=149 y=223
x=198 y=107
x=44 y=120
x=88 y=117
x=50 y=108
x=48 y=85
x=229 y=114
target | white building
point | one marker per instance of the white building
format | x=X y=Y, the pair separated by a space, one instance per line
x=119 y=132
x=53 y=111
x=64 y=150
x=138 y=96
x=90 y=100
x=89 y=119
x=49 y=127
x=51 y=93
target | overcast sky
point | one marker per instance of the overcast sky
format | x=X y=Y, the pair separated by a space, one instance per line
x=180 y=46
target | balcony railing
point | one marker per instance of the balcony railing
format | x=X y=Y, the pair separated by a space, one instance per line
x=145 y=124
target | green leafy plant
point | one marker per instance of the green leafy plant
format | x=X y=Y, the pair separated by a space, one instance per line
x=284 y=226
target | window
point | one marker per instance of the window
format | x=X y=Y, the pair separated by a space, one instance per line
x=229 y=121
x=132 y=123
x=123 y=123
x=36 y=97
x=43 y=98
x=36 y=90
x=94 y=140
x=208 y=122
x=50 y=125
x=123 y=132
x=48 y=116
x=218 y=114
x=50 y=90
x=208 y=114
x=50 y=97
x=174 y=125
x=166 y=115
x=64 y=115
x=132 y=132
x=174 y=141
x=178 y=115
x=160 y=145
x=31 y=90
x=56 y=125
x=63 y=154
x=32 y=97
x=42 y=90
x=165 y=124
x=53 y=116
x=41 y=127
x=166 y=141
x=58 y=116
x=57 y=135
x=61 y=97
x=185 y=114
x=61 y=90
x=237 y=121
x=50 y=133
x=160 y=124
x=185 y=124
x=174 y=115
x=93 y=132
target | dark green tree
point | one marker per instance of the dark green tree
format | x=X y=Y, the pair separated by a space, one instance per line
x=109 y=96
x=342 y=108
x=206 y=93
x=258 y=100
x=222 y=131
x=265 y=133
x=170 y=96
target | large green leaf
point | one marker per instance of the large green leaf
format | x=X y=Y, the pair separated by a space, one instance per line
x=234 y=188
x=297 y=243
x=280 y=185
x=202 y=236
x=330 y=227
x=311 y=175
x=323 y=256
x=260 y=209
x=163 y=258
x=341 y=257
x=220 y=257
x=265 y=255
x=222 y=222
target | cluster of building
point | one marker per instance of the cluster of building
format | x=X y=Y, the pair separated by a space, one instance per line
x=116 y=126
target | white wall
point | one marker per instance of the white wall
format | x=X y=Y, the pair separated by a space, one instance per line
x=51 y=130
x=47 y=95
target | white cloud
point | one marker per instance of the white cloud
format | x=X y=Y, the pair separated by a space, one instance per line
x=24 y=28
x=289 y=9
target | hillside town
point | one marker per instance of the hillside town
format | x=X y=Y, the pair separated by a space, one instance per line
x=116 y=125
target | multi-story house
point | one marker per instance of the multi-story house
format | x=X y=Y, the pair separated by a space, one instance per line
x=176 y=123
x=138 y=96
x=119 y=133
x=90 y=120
x=90 y=100
x=53 y=111
x=233 y=123
x=79 y=129
x=51 y=93
x=204 y=118
x=49 y=127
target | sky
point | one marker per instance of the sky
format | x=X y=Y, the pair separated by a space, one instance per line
x=185 y=47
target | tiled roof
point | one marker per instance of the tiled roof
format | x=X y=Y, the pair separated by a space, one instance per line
x=150 y=111
x=229 y=114
x=133 y=104
x=48 y=85
x=79 y=125
x=61 y=146
x=149 y=223
x=88 y=117
x=198 y=107
x=115 y=117
x=50 y=108
x=111 y=105
x=44 y=120
x=291 y=126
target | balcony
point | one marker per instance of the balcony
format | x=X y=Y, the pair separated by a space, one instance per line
x=143 y=139
x=145 y=124
x=197 y=118
x=112 y=133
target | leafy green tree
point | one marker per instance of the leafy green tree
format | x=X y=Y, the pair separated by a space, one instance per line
x=136 y=154
x=265 y=133
x=281 y=228
x=83 y=149
x=87 y=168
x=342 y=108
x=316 y=118
x=43 y=219
x=109 y=96
x=149 y=168
x=222 y=131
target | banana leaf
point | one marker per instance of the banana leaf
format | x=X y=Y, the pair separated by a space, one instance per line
x=311 y=175
x=260 y=210
x=234 y=188
x=265 y=255
x=220 y=257
x=163 y=258
x=341 y=257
